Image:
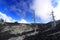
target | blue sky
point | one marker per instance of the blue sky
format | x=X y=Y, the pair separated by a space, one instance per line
x=15 y=10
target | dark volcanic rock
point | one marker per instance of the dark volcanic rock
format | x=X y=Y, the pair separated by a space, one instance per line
x=6 y=35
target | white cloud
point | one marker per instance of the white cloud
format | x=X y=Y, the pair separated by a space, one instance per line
x=43 y=9
x=57 y=11
x=9 y=19
x=22 y=21
x=6 y=18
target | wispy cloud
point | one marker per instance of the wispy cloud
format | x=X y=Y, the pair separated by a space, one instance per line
x=21 y=7
x=22 y=21
x=6 y=18
x=9 y=19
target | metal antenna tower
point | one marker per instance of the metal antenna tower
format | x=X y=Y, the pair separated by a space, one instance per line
x=34 y=18
x=53 y=18
x=35 y=22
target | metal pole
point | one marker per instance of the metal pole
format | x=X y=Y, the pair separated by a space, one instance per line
x=35 y=22
x=54 y=23
x=34 y=18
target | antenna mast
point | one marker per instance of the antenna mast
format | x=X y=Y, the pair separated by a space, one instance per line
x=53 y=18
x=35 y=22
x=34 y=18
